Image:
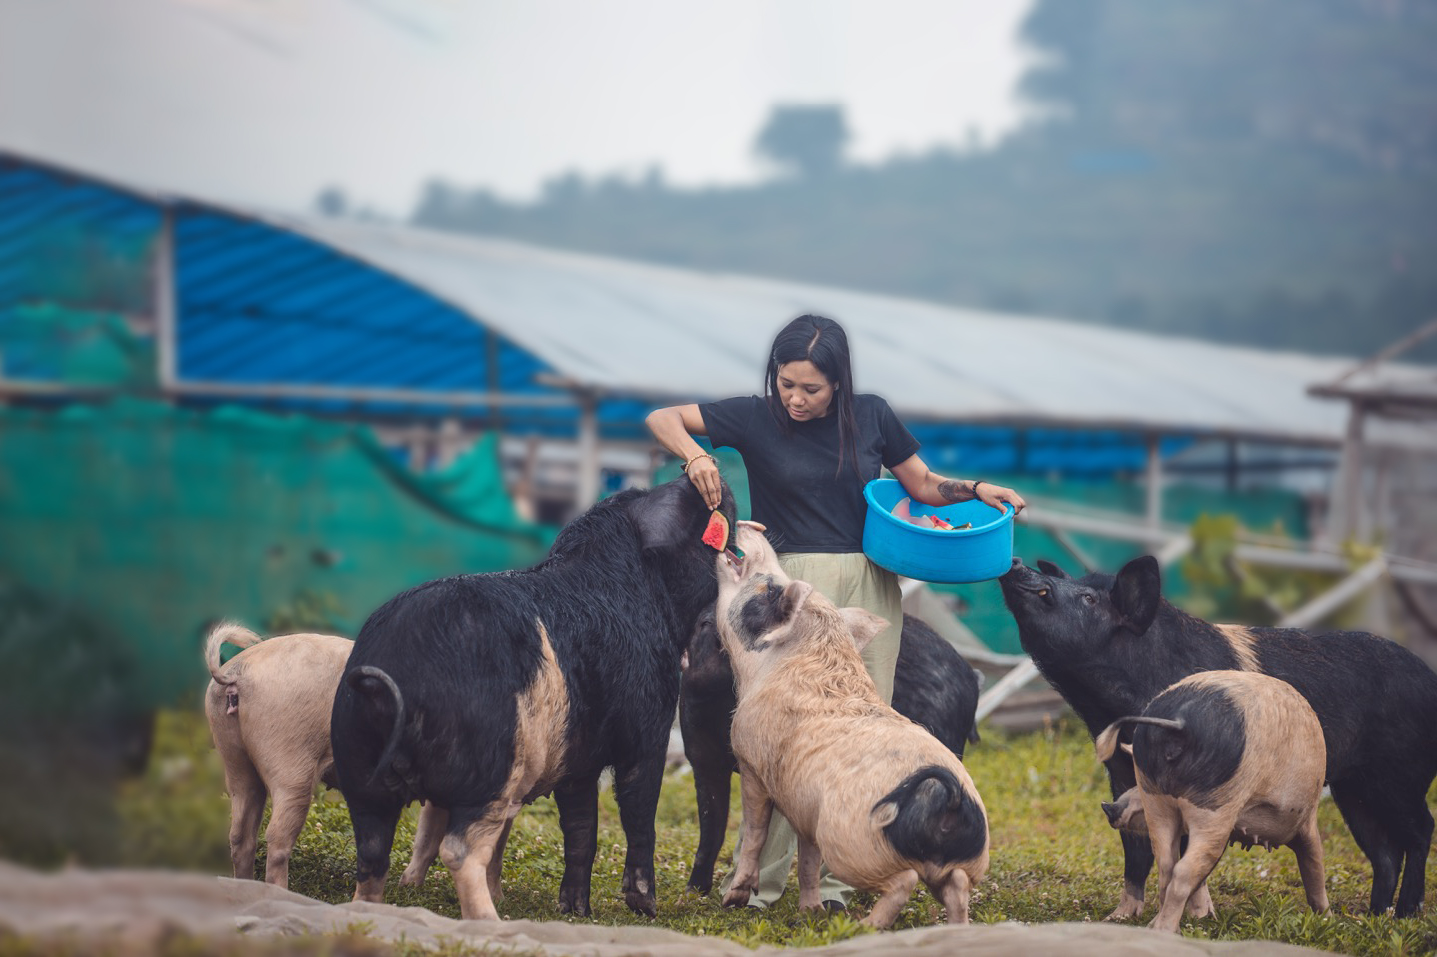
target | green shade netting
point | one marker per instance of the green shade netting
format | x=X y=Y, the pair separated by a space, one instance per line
x=156 y=522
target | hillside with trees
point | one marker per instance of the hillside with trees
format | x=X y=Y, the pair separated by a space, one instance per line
x=1262 y=174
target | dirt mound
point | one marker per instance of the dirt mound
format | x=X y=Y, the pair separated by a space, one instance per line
x=141 y=908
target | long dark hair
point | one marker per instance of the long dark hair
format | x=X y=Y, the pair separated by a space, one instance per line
x=823 y=342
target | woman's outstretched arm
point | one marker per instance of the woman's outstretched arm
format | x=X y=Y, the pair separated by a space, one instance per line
x=930 y=488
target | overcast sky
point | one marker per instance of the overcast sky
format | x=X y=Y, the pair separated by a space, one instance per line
x=266 y=102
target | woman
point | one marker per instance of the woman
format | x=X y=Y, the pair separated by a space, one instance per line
x=810 y=444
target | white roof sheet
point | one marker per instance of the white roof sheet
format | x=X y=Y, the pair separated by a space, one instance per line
x=674 y=333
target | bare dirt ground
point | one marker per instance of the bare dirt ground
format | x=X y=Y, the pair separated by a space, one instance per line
x=141 y=908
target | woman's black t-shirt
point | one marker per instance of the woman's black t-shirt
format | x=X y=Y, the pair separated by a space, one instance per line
x=796 y=487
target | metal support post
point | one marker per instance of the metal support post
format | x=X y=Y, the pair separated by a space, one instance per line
x=1155 y=481
x=588 y=477
x=166 y=342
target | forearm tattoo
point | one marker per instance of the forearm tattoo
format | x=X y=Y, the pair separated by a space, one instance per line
x=953 y=490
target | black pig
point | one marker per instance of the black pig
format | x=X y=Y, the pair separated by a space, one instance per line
x=932 y=686
x=1109 y=644
x=479 y=693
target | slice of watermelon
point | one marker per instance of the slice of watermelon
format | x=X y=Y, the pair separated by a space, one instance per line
x=716 y=533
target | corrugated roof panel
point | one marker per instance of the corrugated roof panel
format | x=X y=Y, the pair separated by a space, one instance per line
x=663 y=332
x=43 y=211
x=259 y=305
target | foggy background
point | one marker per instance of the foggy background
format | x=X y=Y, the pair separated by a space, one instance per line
x=1250 y=174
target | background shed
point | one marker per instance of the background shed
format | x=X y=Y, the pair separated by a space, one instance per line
x=433 y=340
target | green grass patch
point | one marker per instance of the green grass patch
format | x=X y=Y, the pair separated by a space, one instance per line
x=1054 y=858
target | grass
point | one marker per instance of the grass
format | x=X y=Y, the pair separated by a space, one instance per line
x=1053 y=858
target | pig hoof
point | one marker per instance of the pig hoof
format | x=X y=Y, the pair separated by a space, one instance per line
x=735 y=898
x=572 y=903
x=412 y=880
x=642 y=903
x=1125 y=911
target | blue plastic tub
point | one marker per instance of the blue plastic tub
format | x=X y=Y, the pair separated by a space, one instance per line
x=975 y=554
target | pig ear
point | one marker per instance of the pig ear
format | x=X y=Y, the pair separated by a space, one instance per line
x=1137 y=592
x=665 y=516
x=1051 y=570
x=864 y=624
x=794 y=595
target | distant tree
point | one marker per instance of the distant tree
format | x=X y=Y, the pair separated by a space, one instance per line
x=1342 y=77
x=1059 y=81
x=809 y=140
x=1241 y=172
x=331 y=201
x=568 y=187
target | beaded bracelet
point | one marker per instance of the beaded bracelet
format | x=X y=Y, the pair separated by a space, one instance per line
x=702 y=455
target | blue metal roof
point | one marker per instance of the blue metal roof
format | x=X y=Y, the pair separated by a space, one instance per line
x=978 y=450
x=259 y=305
x=256 y=304
x=40 y=209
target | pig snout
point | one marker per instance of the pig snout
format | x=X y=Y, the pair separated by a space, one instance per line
x=750 y=553
x=705 y=665
x=1021 y=583
x=1125 y=812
